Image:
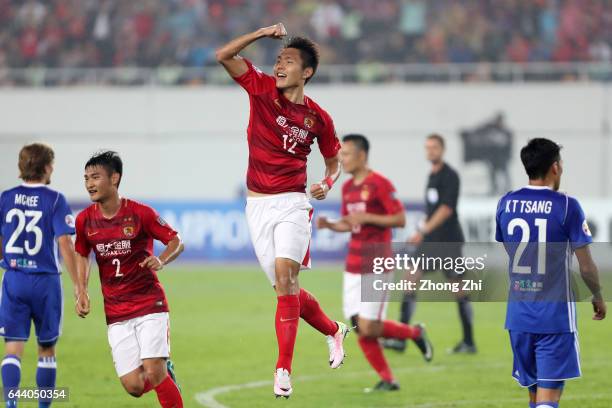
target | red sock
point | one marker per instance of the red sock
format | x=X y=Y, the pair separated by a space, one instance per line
x=147 y=386
x=312 y=313
x=287 y=319
x=397 y=330
x=168 y=394
x=374 y=354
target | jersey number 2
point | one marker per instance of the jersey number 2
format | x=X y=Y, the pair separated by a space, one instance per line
x=31 y=226
x=117 y=264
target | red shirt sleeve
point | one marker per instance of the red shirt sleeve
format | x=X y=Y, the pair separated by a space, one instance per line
x=156 y=226
x=81 y=245
x=254 y=81
x=329 y=145
x=386 y=195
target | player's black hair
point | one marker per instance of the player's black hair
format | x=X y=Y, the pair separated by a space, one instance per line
x=538 y=155
x=360 y=141
x=110 y=160
x=309 y=51
x=438 y=138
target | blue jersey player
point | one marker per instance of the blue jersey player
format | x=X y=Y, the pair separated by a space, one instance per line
x=35 y=222
x=541 y=229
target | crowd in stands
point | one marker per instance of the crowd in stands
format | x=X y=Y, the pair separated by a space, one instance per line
x=185 y=33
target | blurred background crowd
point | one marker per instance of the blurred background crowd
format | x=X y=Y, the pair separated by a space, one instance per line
x=158 y=33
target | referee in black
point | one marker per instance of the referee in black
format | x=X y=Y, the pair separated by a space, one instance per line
x=440 y=236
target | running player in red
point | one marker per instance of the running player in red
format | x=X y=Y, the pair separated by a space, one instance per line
x=369 y=211
x=121 y=233
x=284 y=123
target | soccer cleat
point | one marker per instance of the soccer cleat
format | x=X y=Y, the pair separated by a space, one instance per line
x=282 y=383
x=463 y=348
x=336 y=345
x=424 y=344
x=383 y=386
x=398 y=345
x=170 y=367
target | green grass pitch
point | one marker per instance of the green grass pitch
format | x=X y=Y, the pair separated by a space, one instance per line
x=222 y=324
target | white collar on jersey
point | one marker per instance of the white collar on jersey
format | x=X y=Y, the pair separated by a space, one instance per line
x=32 y=185
x=538 y=187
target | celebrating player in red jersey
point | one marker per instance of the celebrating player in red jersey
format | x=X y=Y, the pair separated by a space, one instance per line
x=370 y=210
x=121 y=234
x=284 y=123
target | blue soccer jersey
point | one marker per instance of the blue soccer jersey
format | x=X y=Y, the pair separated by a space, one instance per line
x=540 y=229
x=32 y=217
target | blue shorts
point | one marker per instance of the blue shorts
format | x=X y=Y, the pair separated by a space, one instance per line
x=28 y=297
x=544 y=357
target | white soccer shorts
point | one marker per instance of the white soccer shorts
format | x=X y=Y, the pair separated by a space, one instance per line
x=280 y=227
x=352 y=305
x=139 y=338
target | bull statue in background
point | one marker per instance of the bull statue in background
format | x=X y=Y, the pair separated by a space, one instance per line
x=491 y=143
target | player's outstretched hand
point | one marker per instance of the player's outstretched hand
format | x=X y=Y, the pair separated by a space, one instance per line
x=599 y=307
x=322 y=222
x=318 y=191
x=152 y=262
x=277 y=31
x=416 y=239
x=356 y=219
x=82 y=304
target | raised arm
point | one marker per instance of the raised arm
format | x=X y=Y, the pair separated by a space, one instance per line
x=590 y=276
x=227 y=55
x=66 y=248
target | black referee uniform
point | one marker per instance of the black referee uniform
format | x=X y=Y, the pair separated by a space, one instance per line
x=445 y=241
x=443 y=188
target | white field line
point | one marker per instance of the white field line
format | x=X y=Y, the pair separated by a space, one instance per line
x=208 y=398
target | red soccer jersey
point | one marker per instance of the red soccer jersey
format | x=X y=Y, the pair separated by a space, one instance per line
x=120 y=244
x=375 y=195
x=280 y=134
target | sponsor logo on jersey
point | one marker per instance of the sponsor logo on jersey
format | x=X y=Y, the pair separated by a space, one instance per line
x=23 y=263
x=281 y=121
x=115 y=248
x=527 y=285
